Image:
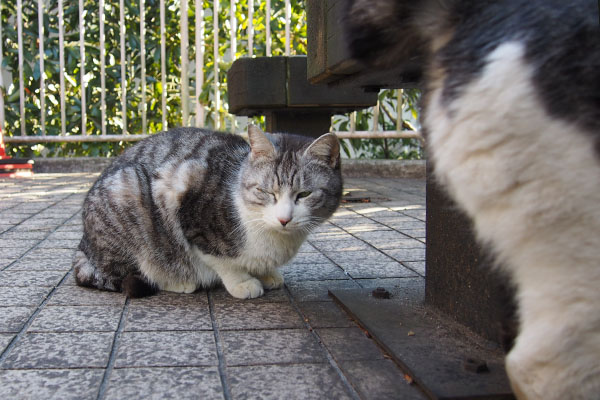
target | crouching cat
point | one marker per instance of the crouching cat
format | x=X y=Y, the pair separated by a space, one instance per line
x=512 y=113
x=189 y=208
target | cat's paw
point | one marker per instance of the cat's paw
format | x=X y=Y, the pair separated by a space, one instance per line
x=249 y=289
x=186 y=287
x=273 y=280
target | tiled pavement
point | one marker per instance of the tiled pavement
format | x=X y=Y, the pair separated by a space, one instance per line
x=58 y=340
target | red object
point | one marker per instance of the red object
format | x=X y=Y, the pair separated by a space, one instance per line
x=13 y=167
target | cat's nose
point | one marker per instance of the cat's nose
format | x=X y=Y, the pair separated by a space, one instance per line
x=284 y=221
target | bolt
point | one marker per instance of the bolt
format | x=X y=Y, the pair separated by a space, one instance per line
x=475 y=365
x=381 y=293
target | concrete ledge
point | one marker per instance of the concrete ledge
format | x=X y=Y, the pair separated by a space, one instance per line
x=351 y=168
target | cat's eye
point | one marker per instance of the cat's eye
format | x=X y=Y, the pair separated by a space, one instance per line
x=266 y=193
x=302 y=195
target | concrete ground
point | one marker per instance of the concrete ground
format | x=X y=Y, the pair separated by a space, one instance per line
x=58 y=340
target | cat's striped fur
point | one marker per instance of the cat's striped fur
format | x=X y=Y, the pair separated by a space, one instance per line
x=189 y=208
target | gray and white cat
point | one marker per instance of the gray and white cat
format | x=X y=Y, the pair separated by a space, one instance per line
x=189 y=208
x=512 y=113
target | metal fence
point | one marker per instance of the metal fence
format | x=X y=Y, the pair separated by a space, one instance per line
x=49 y=110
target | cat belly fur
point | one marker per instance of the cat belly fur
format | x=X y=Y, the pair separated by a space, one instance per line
x=531 y=184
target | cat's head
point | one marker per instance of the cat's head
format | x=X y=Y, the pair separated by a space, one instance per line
x=290 y=183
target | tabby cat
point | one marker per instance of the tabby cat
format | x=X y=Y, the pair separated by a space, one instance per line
x=189 y=208
x=512 y=113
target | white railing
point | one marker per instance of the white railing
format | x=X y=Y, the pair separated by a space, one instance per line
x=193 y=110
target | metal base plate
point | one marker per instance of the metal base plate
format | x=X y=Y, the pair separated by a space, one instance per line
x=441 y=357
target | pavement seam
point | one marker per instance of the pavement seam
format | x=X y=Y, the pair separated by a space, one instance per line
x=374 y=247
x=113 y=351
x=345 y=381
x=29 y=321
x=219 y=348
x=45 y=237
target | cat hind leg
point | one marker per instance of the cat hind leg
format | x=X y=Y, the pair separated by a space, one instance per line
x=271 y=280
x=136 y=286
x=87 y=275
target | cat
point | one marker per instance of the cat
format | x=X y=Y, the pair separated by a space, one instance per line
x=190 y=208
x=512 y=116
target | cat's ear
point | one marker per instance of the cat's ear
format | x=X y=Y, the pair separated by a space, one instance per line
x=260 y=144
x=326 y=148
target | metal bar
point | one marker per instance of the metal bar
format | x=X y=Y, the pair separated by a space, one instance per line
x=133 y=138
x=217 y=105
x=268 y=27
x=81 y=64
x=143 y=62
x=42 y=75
x=353 y=122
x=61 y=62
x=123 y=66
x=102 y=70
x=376 y=116
x=185 y=84
x=163 y=65
x=288 y=18
x=399 y=110
x=20 y=51
x=233 y=34
x=199 y=61
x=74 y=138
x=250 y=28
x=380 y=135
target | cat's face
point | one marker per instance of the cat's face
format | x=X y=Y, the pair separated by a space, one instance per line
x=292 y=186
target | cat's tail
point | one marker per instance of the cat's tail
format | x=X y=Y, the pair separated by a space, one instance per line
x=87 y=275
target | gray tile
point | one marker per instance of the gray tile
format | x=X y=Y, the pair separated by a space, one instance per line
x=166 y=349
x=310 y=258
x=349 y=344
x=28 y=263
x=324 y=314
x=343 y=245
x=220 y=295
x=257 y=315
x=59 y=244
x=60 y=350
x=80 y=296
x=378 y=270
x=12 y=319
x=23 y=296
x=17 y=243
x=384 y=380
x=46 y=254
x=59 y=384
x=76 y=319
x=369 y=256
x=165 y=383
x=306 y=381
x=317 y=290
x=5 y=339
x=168 y=318
x=390 y=240
x=417 y=266
x=172 y=299
x=30 y=278
x=271 y=347
x=404 y=255
x=312 y=272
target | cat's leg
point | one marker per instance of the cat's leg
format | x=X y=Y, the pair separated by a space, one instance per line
x=272 y=279
x=180 y=287
x=238 y=282
x=557 y=352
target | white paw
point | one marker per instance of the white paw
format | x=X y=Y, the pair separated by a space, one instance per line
x=248 y=289
x=274 y=280
x=186 y=287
